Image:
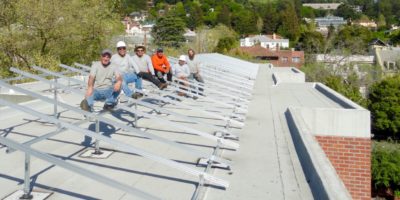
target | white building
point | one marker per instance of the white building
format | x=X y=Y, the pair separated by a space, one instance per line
x=267 y=41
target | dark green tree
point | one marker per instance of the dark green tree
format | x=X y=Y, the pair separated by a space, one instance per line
x=384 y=105
x=270 y=18
x=347 y=12
x=311 y=42
x=195 y=18
x=244 y=22
x=224 y=16
x=289 y=26
x=168 y=31
x=225 y=44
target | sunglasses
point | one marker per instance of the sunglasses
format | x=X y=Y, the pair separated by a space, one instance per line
x=140 y=50
x=119 y=48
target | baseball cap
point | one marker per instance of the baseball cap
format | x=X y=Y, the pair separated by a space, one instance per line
x=106 y=51
x=160 y=49
x=182 y=57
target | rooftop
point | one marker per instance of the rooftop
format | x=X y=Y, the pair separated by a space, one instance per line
x=267 y=161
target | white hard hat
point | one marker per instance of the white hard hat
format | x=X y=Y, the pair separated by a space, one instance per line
x=121 y=44
x=182 y=57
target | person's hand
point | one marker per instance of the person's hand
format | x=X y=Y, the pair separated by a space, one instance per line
x=117 y=86
x=89 y=92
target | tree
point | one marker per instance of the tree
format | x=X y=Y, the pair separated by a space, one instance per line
x=347 y=12
x=168 y=31
x=49 y=32
x=225 y=44
x=384 y=105
x=224 y=16
x=311 y=42
x=271 y=19
x=289 y=26
x=195 y=18
x=244 y=22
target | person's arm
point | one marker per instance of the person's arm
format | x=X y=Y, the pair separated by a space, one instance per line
x=92 y=76
x=167 y=65
x=117 y=85
x=134 y=64
x=150 y=65
x=90 y=87
x=186 y=71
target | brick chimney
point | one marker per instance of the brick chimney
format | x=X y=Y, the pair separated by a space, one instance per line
x=273 y=36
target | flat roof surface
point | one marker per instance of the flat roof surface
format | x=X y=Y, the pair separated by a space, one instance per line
x=265 y=166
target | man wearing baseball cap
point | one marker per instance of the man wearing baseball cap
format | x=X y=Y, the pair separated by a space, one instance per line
x=104 y=83
x=161 y=65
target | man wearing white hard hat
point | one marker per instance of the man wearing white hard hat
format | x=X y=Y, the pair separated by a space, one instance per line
x=128 y=69
x=181 y=71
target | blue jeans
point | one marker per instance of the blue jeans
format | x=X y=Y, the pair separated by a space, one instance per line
x=130 y=78
x=107 y=94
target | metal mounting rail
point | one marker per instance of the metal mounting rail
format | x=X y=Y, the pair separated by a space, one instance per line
x=188 y=92
x=243 y=77
x=175 y=114
x=73 y=69
x=243 y=73
x=165 y=99
x=129 y=128
x=167 y=122
x=81 y=171
x=222 y=76
x=179 y=126
x=204 y=87
x=233 y=121
x=163 y=110
x=223 y=81
x=85 y=67
x=227 y=74
x=120 y=145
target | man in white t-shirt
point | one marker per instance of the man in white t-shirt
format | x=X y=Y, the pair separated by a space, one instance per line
x=104 y=83
x=128 y=70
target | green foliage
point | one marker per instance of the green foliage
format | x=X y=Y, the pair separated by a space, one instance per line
x=168 y=31
x=224 y=16
x=346 y=87
x=244 y=22
x=289 y=26
x=225 y=44
x=386 y=165
x=347 y=12
x=355 y=39
x=384 y=105
x=311 y=42
x=50 y=32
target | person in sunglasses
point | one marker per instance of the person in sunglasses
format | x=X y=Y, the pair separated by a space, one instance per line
x=145 y=68
x=127 y=68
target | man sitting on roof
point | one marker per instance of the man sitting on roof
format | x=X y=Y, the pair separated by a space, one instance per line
x=127 y=68
x=181 y=71
x=104 y=83
x=161 y=66
x=145 y=68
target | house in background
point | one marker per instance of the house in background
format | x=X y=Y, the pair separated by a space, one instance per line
x=323 y=6
x=272 y=42
x=371 y=24
x=277 y=57
x=329 y=20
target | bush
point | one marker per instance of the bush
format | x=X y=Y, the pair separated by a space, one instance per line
x=386 y=167
x=384 y=105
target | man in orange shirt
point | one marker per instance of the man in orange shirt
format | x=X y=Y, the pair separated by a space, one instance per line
x=161 y=66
